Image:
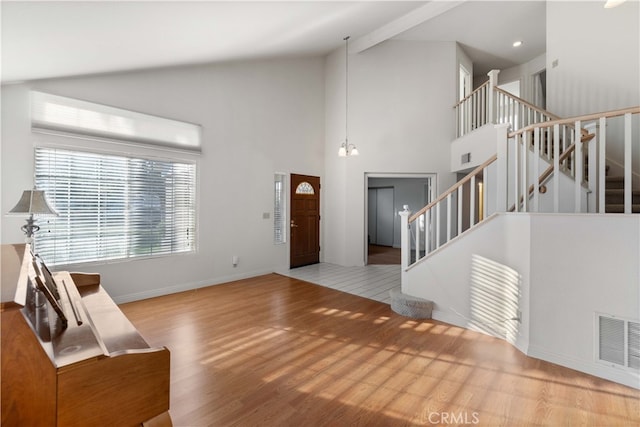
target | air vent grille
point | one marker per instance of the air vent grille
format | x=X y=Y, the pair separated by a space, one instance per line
x=618 y=341
x=634 y=345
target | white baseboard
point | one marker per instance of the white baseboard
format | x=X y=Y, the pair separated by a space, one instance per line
x=449 y=317
x=187 y=286
x=594 y=368
x=618 y=375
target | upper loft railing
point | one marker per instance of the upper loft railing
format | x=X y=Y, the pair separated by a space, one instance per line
x=566 y=155
x=474 y=111
x=518 y=112
x=489 y=104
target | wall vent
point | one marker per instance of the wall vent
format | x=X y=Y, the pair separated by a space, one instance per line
x=618 y=341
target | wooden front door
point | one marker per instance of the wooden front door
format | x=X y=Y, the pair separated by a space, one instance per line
x=305 y=220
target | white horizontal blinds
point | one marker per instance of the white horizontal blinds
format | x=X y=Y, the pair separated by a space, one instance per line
x=82 y=118
x=114 y=207
x=279 y=213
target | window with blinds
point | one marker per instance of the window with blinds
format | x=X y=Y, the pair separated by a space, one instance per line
x=279 y=214
x=114 y=207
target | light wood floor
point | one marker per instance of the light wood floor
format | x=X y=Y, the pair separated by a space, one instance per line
x=277 y=351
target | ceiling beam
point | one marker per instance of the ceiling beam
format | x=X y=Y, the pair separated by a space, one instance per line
x=402 y=24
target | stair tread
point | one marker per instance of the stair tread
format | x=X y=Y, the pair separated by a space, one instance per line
x=621 y=191
x=614 y=183
x=619 y=208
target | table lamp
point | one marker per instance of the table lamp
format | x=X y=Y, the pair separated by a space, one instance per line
x=32 y=202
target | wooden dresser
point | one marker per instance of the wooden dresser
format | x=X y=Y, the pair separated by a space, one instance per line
x=95 y=369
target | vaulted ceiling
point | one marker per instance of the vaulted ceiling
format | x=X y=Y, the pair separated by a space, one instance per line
x=57 y=39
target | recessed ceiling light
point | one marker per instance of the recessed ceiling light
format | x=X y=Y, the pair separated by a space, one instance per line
x=613 y=3
x=517 y=43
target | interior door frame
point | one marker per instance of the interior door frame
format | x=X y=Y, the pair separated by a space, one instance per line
x=465 y=82
x=539 y=89
x=435 y=185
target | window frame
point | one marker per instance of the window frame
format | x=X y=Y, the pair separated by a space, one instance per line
x=144 y=155
x=282 y=179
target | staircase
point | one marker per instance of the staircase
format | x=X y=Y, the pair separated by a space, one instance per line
x=480 y=256
x=614 y=196
x=553 y=166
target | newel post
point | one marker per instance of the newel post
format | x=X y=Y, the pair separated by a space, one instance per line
x=492 y=96
x=502 y=166
x=405 y=243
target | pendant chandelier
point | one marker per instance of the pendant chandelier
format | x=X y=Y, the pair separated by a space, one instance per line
x=346 y=149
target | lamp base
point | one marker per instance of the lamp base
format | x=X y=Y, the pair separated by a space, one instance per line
x=29 y=228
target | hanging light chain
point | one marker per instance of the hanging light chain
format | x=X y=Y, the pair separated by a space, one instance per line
x=346 y=93
x=346 y=149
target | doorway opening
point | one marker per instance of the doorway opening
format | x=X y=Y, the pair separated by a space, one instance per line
x=464 y=90
x=464 y=81
x=385 y=195
x=540 y=89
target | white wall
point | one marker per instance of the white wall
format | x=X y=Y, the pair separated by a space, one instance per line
x=524 y=73
x=401 y=119
x=481 y=143
x=597 y=51
x=568 y=268
x=598 y=57
x=446 y=276
x=580 y=265
x=257 y=118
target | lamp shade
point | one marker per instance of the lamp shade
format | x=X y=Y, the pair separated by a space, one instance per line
x=33 y=202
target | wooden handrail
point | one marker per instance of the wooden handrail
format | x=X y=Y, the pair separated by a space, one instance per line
x=454 y=187
x=572 y=120
x=527 y=104
x=586 y=137
x=472 y=93
x=539 y=110
x=547 y=173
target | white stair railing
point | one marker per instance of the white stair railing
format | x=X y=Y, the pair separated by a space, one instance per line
x=473 y=111
x=456 y=210
x=507 y=181
x=584 y=161
x=518 y=112
x=489 y=104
